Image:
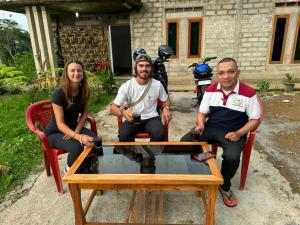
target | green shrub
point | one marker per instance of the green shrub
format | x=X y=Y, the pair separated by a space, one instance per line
x=108 y=80
x=11 y=74
x=21 y=78
x=14 y=82
x=95 y=85
x=5 y=70
x=45 y=82
x=263 y=85
x=2 y=65
x=25 y=62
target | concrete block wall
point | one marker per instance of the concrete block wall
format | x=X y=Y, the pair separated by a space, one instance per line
x=237 y=28
x=254 y=35
x=147 y=27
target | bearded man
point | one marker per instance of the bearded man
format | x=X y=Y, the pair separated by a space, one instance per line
x=139 y=96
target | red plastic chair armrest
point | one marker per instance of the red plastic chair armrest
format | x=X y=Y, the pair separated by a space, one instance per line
x=92 y=121
x=119 y=118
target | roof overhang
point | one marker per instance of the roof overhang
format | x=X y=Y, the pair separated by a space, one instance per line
x=64 y=7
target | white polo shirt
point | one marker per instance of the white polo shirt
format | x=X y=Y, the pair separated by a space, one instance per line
x=230 y=111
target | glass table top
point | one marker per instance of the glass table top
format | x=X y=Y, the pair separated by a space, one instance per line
x=146 y=159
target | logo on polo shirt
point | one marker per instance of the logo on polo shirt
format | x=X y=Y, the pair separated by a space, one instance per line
x=238 y=102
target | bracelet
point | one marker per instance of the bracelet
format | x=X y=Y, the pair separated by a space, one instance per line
x=81 y=140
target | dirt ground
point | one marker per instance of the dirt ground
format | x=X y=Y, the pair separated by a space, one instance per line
x=271 y=195
x=279 y=135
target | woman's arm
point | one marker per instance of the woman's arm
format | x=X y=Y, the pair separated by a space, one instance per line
x=69 y=133
x=82 y=119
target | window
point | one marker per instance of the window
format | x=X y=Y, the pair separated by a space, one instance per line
x=280 y=28
x=172 y=36
x=194 y=38
x=296 y=53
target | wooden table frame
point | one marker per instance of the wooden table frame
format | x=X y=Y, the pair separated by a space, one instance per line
x=198 y=183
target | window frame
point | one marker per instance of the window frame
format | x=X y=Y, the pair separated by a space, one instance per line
x=190 y=20
x=295 y=41
x=287 y=16
x=177 y=21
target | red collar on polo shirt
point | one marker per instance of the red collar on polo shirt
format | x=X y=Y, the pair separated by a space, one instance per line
x=225 y=97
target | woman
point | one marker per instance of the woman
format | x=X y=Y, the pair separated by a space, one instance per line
x=64 y=130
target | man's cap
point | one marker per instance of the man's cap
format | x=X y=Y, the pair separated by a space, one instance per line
x=143 y=57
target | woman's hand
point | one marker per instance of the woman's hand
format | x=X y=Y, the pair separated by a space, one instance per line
x=87 y=140
x=66 y=137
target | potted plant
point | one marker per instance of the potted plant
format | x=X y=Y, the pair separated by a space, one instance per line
x=289 y=85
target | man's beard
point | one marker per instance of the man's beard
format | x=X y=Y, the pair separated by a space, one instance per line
x=143 y=77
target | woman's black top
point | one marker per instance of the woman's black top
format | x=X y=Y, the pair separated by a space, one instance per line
x=71 y=113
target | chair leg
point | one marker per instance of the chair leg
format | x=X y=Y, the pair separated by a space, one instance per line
x=245 y=164
x=214 y=148
x=47 y=164
x=56 y=174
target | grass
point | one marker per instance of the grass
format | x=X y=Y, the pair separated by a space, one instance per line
x=20 y=149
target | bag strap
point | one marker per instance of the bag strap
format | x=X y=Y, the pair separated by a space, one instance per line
x=142 y=96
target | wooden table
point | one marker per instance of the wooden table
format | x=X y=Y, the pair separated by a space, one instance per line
x=145 y=167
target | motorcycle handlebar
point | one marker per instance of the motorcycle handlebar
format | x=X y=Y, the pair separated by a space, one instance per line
x=207 y=59
x=204 y=61
x=193 y=65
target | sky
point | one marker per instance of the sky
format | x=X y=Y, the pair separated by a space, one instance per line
x=18 y=17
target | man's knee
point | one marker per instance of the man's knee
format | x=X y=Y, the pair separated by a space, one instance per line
x=231 y=156
x=126 y=135
x=187 y=137
x=157 y=134
x=155 y=129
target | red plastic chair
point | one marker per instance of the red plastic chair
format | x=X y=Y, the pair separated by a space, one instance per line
x=144 y=134
x=246 y=150
x=38 y=116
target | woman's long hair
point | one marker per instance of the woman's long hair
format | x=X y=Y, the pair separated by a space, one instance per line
x=66 y=84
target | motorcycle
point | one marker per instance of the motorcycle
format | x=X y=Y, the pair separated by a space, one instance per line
x=202 y=74
x=159 y=69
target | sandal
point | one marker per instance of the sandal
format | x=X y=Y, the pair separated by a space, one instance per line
x=66 y=169
x=229 y=198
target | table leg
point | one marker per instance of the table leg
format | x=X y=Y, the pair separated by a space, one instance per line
x=211 y=203
x=78 y=210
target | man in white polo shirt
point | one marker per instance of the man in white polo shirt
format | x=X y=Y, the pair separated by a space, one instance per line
x=228 y=111
x=140 y=94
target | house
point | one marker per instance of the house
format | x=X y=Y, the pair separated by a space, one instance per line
x=263 y=35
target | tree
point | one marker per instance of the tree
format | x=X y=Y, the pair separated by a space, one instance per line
x=13 y=40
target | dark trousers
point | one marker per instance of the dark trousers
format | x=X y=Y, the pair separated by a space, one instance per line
x=231 y=151
x=152 y=126
x=71 y=145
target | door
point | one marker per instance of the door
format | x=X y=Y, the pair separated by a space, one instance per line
x=121 y=49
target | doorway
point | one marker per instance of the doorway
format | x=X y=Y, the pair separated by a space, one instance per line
x=121 y=49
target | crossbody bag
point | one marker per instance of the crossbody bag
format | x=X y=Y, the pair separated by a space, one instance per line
x=131 y=104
